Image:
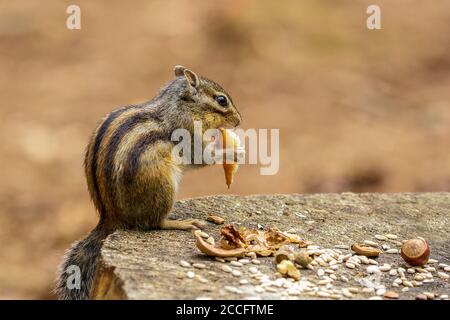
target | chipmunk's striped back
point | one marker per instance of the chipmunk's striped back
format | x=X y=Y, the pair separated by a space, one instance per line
x=114 y=153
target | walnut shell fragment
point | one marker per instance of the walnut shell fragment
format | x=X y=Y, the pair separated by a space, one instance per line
x=215 y=219
x=213 y=251
x=287 y=268
x=366 y=250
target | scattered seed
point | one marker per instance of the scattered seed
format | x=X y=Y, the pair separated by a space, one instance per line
x=421 y=297
x=333 y=276
x=443 y=275
x=372 y=269
x=393 y=272
x=350 y=265
x=344 y=278
x=442 y=265
x=353 y=290
x=184 y=264
x=201 y=234
x=375 y=298
x=256 y=261
x=371 y=261
x=431 y=261
x=199 y=265
x=391 y=295
x=391 y=236
x=385 y=247
x=430 y=295
x=230 y=259
x=371 y=243
x=430 y=269
x=323 y=294
x=342 y=246
x=411 y=270
x=417 y=283
x=227 y=269
x=320 y=272
x=236 y=273
x=443 y=296
x=385 y=267
x=232 y=289
x=236 y=264
x=220 y=259
x=210 y=240
x=253 y=270
x=405 y=289
x=428 y=281
x=251 y=254
x=407 y=283
x=244 y=261
x=380 y=292
x=243 y=281
x=391 y=251
x=347 y=293
x=380 y=237
x=202 y=279
x=368 y=290
x=190 y=274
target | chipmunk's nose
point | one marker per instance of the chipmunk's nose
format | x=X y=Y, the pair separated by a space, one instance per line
x=238 y=118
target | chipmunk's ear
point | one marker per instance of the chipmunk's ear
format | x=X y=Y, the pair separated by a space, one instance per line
x=179 y=71
x=192 y=78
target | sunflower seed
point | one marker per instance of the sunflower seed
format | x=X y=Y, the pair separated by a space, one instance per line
x=199 y=265
x=372 y=269
x=385 y=267
x=430 y=295
x=320 y=272
x=368 y=290
x=236 y=264
x=393 y=272
x=443 y=275
x=230 y=259
x=253 y=270
x=431 y=261
x=391 y=236
x=323 y=294
x=375 y=298
x=405 y=289
x=407 y=283
x=411 y=270
x=391 y=251
x=380 y=291
x=243 y=281
x=227 y=269
x=347 y=293
x=219 y=259
x=350 y=265
x=184 y=264
x=244 y=261
x=443 y=296
x=256 y=261
x=430 y=269
x=190 y=274
x=371 y=243
x=380 y=237
x=251 y=254
x=210 y=240
x=236 y=273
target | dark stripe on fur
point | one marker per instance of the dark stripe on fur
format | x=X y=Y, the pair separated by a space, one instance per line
x=98 y=140
x=132 y=163
x=124 y=128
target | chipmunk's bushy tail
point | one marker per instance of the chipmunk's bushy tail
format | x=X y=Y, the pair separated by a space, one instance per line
x=79 y=265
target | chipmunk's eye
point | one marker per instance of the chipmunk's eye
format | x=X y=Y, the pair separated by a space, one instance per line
x=222 y=100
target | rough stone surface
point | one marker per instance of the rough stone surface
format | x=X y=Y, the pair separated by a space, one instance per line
x=145 y=265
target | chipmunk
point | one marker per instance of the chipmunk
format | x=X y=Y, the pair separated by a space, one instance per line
x=131 y=175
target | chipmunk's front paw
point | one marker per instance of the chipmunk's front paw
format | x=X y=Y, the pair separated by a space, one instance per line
x=191 y=224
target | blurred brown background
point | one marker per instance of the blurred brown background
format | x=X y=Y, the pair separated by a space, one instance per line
x=357 y=110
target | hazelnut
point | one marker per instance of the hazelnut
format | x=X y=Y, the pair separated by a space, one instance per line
x=415 y=252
